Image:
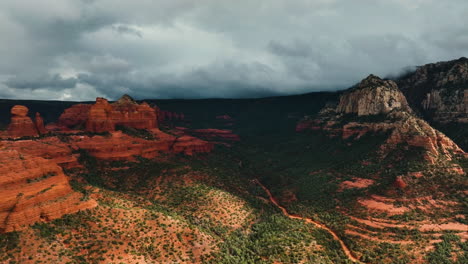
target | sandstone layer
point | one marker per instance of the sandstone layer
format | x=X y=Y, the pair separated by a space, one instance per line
x=33 y=189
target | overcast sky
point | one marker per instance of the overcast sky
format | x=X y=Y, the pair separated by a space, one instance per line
x=81 y=49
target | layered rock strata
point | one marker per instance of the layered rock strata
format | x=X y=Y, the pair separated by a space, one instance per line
x=33 y=189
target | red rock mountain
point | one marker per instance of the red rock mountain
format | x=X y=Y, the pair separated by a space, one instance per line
x=104 y=116
x=439 y=90
x=386 y=104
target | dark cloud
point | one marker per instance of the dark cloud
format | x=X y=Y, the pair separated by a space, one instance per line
x=77 y=50
x=46 y=81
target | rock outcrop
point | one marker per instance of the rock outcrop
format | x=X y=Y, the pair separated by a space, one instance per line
x=377 y=106
x=75 y=117
x=50 y=148
x=439 y=90
x=33 y=189
x=119 y=146
x=99 y=118
x=21 y=124
x=127 y=112
x=104 y=117
x=191 y=145
x=372 y=96
x=39 y=123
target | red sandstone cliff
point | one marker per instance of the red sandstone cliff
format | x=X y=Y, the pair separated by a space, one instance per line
x=75 y=116
x=34 y=189
x=104 y=116
x=99 y=117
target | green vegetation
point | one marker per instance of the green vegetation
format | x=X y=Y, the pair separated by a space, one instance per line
x=450 y=251
x=139 y=133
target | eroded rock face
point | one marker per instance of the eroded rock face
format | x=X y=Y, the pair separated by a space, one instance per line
x=75 y=116
x=119 y=146
x=372 y=96
x=34 y=189
x=127 y=112
x=418 y=133
x=39 y=122
x=439 y=90
x=21 y=124
x=99 y=118
x=104 y=117
x=392 y=115
x=50 y=148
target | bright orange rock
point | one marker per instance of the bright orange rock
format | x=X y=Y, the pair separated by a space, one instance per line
x=33 y=189
x=99 y=118
x=50 y=148
x=127 y=112
x=104 y=117
x=21 y=125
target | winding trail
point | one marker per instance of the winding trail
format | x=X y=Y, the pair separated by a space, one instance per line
x=346 y=250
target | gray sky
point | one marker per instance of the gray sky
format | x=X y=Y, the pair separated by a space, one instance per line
x=81 y=49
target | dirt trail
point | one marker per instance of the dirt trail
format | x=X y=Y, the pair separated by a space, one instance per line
x=346 y=250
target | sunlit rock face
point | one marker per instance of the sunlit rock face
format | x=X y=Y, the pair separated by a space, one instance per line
x=372 y=96
x=34 y=189
x=380 y=107
x=103 y=116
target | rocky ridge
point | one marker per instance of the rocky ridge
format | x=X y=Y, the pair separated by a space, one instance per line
x=382 y=101
x=439 y=90
x=372 y=96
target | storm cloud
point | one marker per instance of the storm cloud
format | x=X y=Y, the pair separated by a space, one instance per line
x=81 y=49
